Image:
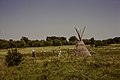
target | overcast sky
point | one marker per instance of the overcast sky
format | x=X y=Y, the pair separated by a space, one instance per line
x=37 y=19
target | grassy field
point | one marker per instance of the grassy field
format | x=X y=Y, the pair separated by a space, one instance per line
x=104 y=64
x=37 y=49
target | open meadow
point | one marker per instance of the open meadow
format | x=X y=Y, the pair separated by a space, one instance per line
x=104 y=64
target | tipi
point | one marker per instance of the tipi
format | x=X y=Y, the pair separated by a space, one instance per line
x=81 y=49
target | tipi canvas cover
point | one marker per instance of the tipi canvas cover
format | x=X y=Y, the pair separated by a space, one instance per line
x=81 y=49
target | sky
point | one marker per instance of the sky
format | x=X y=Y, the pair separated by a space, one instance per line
x=37 y=19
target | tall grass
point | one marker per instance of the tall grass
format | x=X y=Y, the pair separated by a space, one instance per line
x=104 y=64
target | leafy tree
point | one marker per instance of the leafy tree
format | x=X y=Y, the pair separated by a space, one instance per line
x=29 y=43
x=13 y=57
x=4 y=44
x=21 y=44
x=25 y=39
x=63 y=39
x=53 y=40
x=12 y=43
x=43 y=43
x=57 y=42
x=35 y=43
x=64 y=42
x=110 y=41
x=117 y=39
x=49 y=43
x=100 y=43
x=71 y=43
x=87 y=41
x=73 y=38
x=92 y=40
x=54 y=37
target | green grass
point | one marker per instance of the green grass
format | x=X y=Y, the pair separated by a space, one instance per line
x=37 y=49
x=104 y=64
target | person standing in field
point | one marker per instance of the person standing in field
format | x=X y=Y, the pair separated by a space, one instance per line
x=59 y=52
x=33 y=53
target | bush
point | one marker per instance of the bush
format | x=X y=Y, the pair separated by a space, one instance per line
x=13 y=57
x=100 y=43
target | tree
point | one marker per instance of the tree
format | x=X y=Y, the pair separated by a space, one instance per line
x=21 y=44
x=73 y=38
x=117 y=39
x=100 y=43
x=49 y=43
x=71 y=43
x=57 y=42
x=35 y=44
x=42 y=43
x=63 y=39
x=29 y=43
x=4 y=44
x=92 y=40
x=110 y=41
x=25 y=39
x=53 y=40
x=12 y=43
x=87 y=41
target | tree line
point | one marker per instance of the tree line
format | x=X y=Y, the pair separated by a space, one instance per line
x=54 y=41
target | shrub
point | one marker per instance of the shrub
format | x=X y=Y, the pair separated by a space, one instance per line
x=13 y=57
